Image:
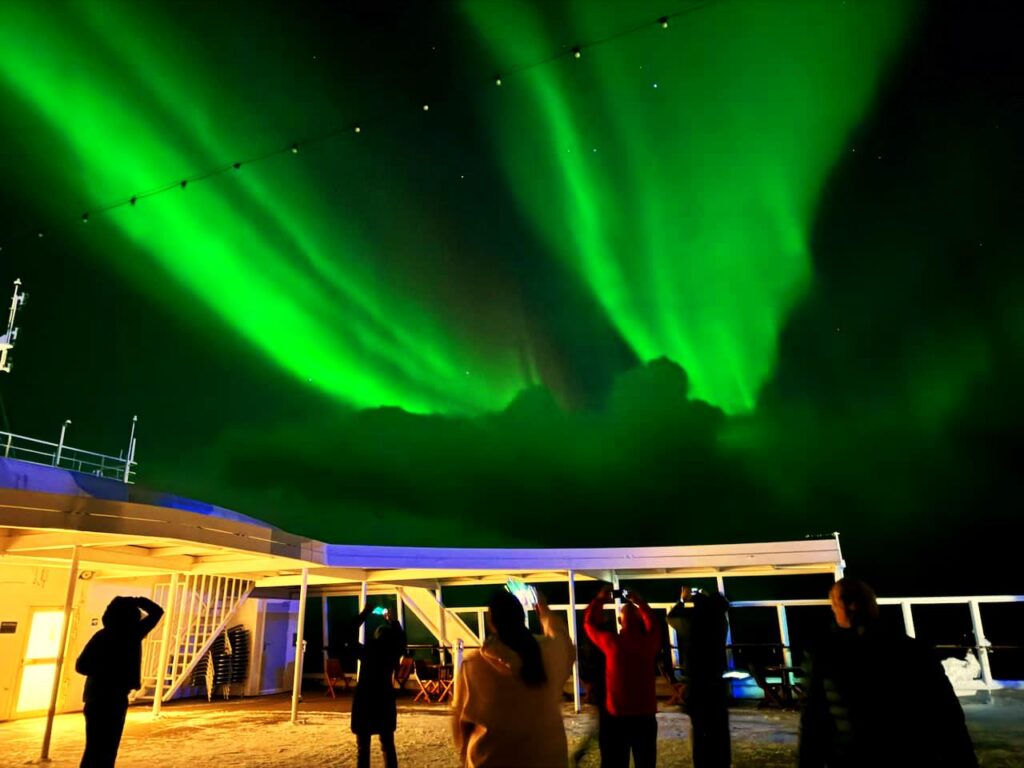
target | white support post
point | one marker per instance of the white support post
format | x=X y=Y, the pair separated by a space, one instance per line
x=618 y=601
x=481 y=626
x=165 y=644
x=299 y=642
x=673 y=639
x=131 y=451
x=729 y=660
x=573 y=632
x=459 y=650
x=400 y=607
x=364 y=593
x=787 y=654
x=58 y=672
x=441 y=624
x=982 y=643
x=325 y=634
x=908 y=619
x=188 y=641
x=839 y=569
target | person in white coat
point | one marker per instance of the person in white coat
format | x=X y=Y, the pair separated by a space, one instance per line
x=507 y=709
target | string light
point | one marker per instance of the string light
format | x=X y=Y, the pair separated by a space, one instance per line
x=577 y=53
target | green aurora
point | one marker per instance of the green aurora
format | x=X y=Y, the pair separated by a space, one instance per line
x=674 y=171
x=684 y=164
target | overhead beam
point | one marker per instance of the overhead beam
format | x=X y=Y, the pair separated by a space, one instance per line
x=91 y=557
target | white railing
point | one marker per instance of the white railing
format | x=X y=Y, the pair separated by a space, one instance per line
x=65 y=456
x=197 y=608
x=981 y=646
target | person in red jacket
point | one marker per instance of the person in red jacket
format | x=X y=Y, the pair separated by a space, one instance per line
x=630 y=700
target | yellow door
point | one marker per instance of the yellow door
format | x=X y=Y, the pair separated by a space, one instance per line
x=39 y=663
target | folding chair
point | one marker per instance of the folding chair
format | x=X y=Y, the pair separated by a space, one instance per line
x=333 y=675
x=426 y=679
x=677 y=687
x=445 y=682
x=405 y=669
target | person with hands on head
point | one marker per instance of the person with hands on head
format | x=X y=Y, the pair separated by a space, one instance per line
x=112 y=663
x=507 y=708
x=373 y=706
x=630 y=698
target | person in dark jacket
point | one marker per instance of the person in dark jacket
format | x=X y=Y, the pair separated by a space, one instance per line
x=701 y=619
x=111 y=662
x=877 y=697
x=630 y=697
x=373 y=707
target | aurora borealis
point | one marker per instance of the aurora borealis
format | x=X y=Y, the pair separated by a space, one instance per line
x=690 y=228
x=684 y=164
x=749 y=275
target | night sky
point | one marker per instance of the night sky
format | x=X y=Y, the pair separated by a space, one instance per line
x=753 y=275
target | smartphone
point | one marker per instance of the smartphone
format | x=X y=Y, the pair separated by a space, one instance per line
x=380 y=610
x=620 y=594
x=526 y=594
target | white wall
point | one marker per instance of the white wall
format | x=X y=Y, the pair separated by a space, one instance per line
x=91 y=600
x=271 y=623
x=272 y=663
x=21 y=590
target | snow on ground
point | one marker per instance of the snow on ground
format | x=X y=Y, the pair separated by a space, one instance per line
x=255 y=733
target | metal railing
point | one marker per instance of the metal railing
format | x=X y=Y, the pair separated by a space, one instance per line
x=61 y=455
x=981 y=646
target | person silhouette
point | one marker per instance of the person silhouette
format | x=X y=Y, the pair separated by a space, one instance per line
x=373 y=706
x=111 y=662
x=856 y=713
x=701 y=620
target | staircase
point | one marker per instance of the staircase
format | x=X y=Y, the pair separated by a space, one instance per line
x=443 y=624
x=197 y=608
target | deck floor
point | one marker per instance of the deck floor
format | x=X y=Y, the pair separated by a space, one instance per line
x=255 y=732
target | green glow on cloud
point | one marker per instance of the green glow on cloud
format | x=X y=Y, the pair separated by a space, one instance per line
x=262 y=248
x=677 y=171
